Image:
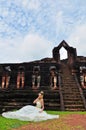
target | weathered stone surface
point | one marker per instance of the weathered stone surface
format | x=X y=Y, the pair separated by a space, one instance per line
x=12 y=97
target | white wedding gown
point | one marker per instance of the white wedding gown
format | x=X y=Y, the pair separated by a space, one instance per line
x=29 y=113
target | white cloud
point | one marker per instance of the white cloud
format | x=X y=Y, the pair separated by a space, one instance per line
x=36 y=47
x=52 y=20
x=78 y=39
x=59 y=22
x=31 y=4
x=32 y=47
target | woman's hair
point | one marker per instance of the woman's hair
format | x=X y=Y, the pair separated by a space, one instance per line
x=42 y=93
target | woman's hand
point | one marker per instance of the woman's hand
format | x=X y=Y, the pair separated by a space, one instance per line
x=35 y=100
x=41 y=111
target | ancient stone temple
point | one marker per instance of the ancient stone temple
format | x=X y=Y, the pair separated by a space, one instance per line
x=63 y=82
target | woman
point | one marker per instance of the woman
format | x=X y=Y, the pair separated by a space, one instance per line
x=39 y=101
x=31 y=113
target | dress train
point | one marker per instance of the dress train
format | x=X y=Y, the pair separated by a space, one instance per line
x=29 y=113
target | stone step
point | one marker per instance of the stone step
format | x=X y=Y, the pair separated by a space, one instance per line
x=53 y=108
x=72 y=102
x=72 y=95
x=74 y=109
x=73 y=105
x=16 y=107
x=30 y=96
x=72 y=99
x=15 y=99
x=69 y=84
x=28 y=90
x=71 y=92
x=64 y=78
x=52 y=104
x=28 y=101
x=69 y=88
x=9 y=108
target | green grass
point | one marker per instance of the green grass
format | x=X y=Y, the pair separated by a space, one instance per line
x=65 y=112
x=8 y=124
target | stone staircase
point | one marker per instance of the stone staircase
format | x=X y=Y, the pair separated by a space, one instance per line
x=13 y=99
x=71 y=95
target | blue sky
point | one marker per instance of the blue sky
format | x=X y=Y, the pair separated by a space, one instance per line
x=30 y=29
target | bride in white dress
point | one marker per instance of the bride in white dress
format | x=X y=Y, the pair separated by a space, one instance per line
x=31 y=113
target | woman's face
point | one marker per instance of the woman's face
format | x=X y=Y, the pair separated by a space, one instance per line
x=40 y=96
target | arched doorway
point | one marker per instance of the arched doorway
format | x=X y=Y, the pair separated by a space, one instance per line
x=63 y=53
x=70 y=53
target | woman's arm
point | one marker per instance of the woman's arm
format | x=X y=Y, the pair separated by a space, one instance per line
x=42 y=104
x=35 y=100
